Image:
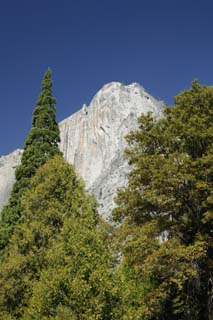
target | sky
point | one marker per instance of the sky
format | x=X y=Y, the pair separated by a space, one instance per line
x=163 y=45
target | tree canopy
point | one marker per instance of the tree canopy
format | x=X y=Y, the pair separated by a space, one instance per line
x=57 y=264
x=171 y=186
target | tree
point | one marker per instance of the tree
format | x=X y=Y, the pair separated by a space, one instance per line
x=57 y=264
x=41 y=144
x=157 y=280
x=171 y=185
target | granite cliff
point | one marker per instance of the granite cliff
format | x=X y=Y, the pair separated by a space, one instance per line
x=93 y=139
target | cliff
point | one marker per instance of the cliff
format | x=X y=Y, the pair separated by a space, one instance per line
x=93 y=139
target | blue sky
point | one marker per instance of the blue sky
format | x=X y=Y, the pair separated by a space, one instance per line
x=161 y=44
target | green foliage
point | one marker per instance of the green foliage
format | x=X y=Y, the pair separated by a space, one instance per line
x=41 y=144
x=171 y=185
x=57 y=264
x=60 y=262
x=157 y=280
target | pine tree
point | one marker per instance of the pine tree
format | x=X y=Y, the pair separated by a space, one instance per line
x=171 y=185
x=41 y=144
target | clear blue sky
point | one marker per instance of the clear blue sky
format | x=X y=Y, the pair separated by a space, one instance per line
x=162 y=44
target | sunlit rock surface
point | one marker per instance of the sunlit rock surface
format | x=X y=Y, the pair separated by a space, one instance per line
x=93 y=139
x=7 y=174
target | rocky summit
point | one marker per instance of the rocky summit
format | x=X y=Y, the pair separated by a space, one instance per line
x=93 y=139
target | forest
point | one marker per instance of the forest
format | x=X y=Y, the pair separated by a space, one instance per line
x=60 y=260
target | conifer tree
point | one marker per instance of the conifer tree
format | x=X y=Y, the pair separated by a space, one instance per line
x=40 y=145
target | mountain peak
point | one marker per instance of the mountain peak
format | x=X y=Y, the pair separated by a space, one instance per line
x=117 y=86
x=93 y=139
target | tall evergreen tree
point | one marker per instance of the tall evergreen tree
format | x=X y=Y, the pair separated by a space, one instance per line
x=41 y=144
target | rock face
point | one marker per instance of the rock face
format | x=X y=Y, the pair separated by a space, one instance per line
x=93 y=139
x=7 y=168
